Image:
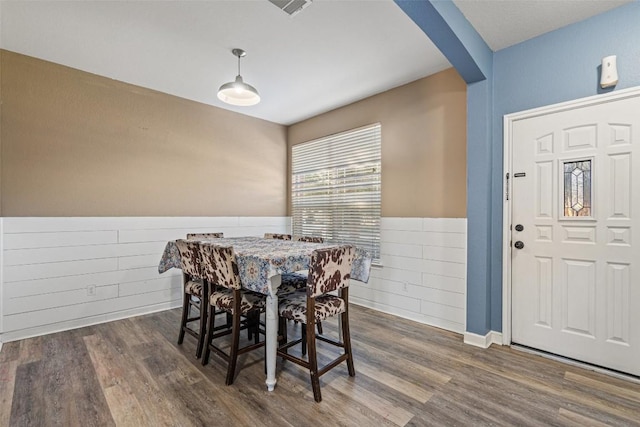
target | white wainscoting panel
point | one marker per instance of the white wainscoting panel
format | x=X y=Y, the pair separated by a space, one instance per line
x=423 y=272
x=1 y=280
x=63 y=273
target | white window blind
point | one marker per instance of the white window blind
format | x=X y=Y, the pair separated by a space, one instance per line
x=336 y=188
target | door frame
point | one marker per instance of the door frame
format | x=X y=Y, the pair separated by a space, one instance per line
x=508 y=122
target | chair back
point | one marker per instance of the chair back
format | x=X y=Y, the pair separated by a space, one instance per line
x=277 y=236
x=202 y=236
x=329 y=270
x=219 y=265
x=190 y=258
x=310 y=239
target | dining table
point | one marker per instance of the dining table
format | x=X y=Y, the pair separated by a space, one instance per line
x=261 y=263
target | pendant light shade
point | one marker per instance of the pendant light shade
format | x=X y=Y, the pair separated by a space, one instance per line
x=238 y=92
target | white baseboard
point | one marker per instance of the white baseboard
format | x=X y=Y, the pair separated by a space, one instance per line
x=483 y=341
x=87 y=321
x=414 y=317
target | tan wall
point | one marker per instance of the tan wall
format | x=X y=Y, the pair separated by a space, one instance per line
x=77 y=144
x=423 y=144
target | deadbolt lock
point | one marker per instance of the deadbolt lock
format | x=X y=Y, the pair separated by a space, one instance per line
x=519 y=227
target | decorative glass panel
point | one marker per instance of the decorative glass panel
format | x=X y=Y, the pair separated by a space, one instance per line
x=577 y=188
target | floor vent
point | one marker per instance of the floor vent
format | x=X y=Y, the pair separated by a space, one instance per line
x=291 y=7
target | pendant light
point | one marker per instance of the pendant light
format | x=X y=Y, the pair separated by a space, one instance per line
x=238 y=92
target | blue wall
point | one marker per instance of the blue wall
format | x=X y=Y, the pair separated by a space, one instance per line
x=558 y=66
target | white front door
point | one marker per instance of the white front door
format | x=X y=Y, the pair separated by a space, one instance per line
x=576 y=199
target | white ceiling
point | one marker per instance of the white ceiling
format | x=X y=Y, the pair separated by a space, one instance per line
x=330 y=54
x=503 y=23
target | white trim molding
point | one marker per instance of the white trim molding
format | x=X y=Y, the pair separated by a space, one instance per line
x=483 y=341
x=88 y=321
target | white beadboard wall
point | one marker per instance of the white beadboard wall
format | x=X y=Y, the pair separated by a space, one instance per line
x=423 y=273
x=51 y=265
x=63 y=273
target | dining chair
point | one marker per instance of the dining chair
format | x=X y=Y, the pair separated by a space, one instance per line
x=292 y=282
x=204 y=236
x=225 y=293
x=329 y=270
x=277 y=236
x=195 y=290
x=192 y=236
x=310 y=239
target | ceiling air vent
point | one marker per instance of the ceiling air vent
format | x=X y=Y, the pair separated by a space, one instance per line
x=291 y=7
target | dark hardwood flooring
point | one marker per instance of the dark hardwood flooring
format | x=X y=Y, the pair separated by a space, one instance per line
x=132 y=373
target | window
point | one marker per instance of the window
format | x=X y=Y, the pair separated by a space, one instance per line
x=336 y=188
x=577 y=188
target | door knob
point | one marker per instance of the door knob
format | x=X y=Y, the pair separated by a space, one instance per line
x=519 y=227
x=518 y=244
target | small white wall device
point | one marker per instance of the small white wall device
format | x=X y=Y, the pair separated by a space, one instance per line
x=609 y=72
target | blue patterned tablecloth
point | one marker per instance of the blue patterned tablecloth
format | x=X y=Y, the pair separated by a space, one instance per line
x=259 y=259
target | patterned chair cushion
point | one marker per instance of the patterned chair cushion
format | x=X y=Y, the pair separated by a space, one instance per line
x=196 y=236
x=330 y=269
x=190 y=258
x=294 y=307
x=292 y=282
x=223 y=299
x=220 y=269
x=219 y=265
x=310 y=239
x=277 y=236
x=193 y=288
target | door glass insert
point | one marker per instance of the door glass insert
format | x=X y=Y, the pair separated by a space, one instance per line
x=577 y=188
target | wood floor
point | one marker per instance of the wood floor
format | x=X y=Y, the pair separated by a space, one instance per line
x=132 y=373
